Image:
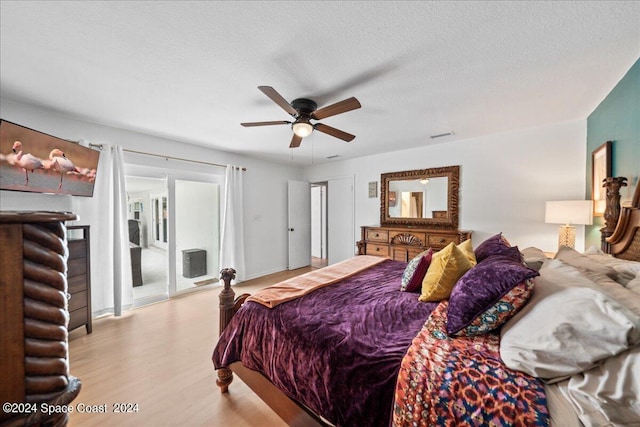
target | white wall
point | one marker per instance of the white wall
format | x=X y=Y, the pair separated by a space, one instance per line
x=505 y=180
x=265 y=185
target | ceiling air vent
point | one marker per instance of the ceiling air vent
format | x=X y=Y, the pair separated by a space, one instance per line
x=440 y=135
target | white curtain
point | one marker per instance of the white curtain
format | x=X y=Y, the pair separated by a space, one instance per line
x=232 y=236
x=106 y=214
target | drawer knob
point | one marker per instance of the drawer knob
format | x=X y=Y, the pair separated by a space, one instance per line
x=442 y=240
x=378 y=249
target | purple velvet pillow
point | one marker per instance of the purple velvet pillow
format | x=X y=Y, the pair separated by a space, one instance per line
x=480 y=288
x=494 y=245
x=511 y=252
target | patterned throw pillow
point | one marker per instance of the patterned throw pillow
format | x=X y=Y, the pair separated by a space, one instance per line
x=496 y=315
x=494 y=245
x=483 y=300
x=447 y=266
x=415 y=271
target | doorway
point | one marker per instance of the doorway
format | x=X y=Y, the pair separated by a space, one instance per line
x=197 y=236
x=318 y=224
x=147 y=213
x=332 y=221
x=173 y=233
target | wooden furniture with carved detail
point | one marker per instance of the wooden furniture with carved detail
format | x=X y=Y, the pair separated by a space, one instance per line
x=404 y=234
x=402 y=244
x=612 y=187
x=79 y=277
x=33 y=318
x=624 y=241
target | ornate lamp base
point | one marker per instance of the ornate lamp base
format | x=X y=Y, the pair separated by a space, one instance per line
x=567 y=236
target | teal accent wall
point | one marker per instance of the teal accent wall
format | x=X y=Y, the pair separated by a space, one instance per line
x=616 y=119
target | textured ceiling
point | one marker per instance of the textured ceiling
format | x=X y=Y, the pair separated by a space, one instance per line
x=189 y=71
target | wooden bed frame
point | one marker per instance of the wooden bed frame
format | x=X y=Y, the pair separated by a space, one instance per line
x=624 y=242
x=620 y=237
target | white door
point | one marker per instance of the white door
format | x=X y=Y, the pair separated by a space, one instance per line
x=299 y=228
x=340 y=220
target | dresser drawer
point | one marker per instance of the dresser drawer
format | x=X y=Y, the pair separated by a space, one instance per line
x=77 y=267
x=77 y=249
x=78 y=318
x=77 y=284
x=77 y=300
x=79 y=277
x=413 y=252
x=442 y=240
x=379 y=250
x=376 y=235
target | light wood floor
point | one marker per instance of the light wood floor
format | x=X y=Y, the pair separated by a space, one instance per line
x=159 y=357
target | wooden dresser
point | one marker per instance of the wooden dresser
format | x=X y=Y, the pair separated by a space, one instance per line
x=34 y=362
x=404 y=243
x=79 y=277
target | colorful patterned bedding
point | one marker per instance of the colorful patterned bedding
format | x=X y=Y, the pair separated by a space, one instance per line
x=462 y=382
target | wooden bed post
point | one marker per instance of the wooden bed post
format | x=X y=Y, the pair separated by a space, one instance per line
x=612 y=210
x=225 y=376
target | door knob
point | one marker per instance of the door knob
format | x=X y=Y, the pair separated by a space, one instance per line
x=291 y=229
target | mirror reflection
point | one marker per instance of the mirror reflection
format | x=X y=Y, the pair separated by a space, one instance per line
x=424 y=197
x=418 y=198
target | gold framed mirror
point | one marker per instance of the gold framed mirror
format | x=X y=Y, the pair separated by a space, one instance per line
x=423 y=197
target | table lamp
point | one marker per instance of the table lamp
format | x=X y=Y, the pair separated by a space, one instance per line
x=569 y=213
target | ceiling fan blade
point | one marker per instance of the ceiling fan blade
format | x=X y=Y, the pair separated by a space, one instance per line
x=337 y=108
x=334 y=132
x=280 y=122
x=278 y=99
x=295 y=141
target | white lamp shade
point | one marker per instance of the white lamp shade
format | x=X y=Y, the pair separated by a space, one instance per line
x=569 y=212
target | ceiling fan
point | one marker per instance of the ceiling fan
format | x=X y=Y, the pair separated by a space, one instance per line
x=303 y=110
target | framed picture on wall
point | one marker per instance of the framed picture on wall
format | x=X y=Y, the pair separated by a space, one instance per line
x=373 y=189
x=600 y=169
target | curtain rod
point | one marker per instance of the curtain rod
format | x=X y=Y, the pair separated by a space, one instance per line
x=168 y=157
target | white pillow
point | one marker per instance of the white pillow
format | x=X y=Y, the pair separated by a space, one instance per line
x=626 y=270
x=533 y=257
x=569 y=324
x=609 y=394
x=634 y=285
x=572 y=257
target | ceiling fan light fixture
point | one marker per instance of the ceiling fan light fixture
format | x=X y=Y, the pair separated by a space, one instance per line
x=302 y=129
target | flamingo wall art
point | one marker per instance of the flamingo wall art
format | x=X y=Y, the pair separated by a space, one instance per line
x=37 y=162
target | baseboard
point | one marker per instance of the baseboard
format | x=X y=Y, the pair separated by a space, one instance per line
x=264 y=273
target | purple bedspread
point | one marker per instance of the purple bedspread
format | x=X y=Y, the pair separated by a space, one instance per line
x=338 y=349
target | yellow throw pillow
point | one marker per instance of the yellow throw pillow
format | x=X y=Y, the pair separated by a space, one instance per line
x=447 y=266
x=467 y=248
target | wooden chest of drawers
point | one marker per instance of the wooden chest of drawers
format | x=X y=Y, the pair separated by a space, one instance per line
x=403 y=243
x=79 y=277
x=34 y=357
